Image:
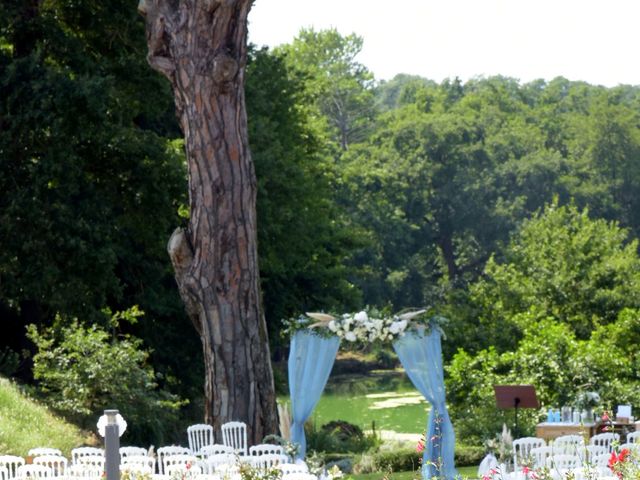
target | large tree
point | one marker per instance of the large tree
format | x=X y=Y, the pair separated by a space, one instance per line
x=200 y=46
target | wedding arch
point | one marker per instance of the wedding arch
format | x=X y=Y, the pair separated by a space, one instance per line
x=315 y=341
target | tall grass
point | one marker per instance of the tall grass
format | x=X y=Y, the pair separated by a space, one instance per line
x=25 y=424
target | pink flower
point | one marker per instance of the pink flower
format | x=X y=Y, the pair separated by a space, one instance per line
x=420 y=447
x=605 y=416
x=526 y=470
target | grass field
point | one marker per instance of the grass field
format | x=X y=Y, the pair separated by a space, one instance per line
x=25 y=424
x=388 y=399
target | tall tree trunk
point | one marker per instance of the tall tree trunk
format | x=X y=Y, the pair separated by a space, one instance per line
x=200 y=46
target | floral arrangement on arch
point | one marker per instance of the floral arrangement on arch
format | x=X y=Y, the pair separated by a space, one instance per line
x=366 y=326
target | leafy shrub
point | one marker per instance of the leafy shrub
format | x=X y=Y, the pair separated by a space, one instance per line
x=338 y=437
x=401 y=460
x=83 y=370
x=466 y=455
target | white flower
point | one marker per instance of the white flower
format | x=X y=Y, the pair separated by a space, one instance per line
x=361 y=317
x=350 y=336
x=333 y=326
x=398 y=327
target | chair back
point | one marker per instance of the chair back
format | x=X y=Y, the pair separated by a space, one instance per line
x=35 y=452
x=57 y=463
x=601 y=460
x=633 y=437
x=299 y=476
x=128 y=451
x=11 y=463
x=33 y=471
x=563 y=462
x=220 y=463
x=170 y=461
x=265 y=449
x=568 y=445
x=587 y=453
x=80 y=452
x=139 y=460
x=268 y=461
x=169 y=451
x=92 y=461
x=234 y=434
x=522 y=451
x=199 y=435
x=605 y=440
x=83 y=472
x=288 y=468
x=216 y=449
x=183 y=468
x=540 y=455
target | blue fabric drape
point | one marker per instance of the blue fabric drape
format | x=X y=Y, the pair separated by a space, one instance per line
x=310 y=361
x=421 y=357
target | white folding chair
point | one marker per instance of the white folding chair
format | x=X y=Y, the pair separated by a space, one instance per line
x=169 y=451
x=299 y=476
x=4 y=473
x=568 y=445
x=234 y=434
x=216 y=449
x=191 y=468
x=199 y=435
x=170 y=461
x=136 y=469
x=563 y=463
x=35 y=452
x=11 y=463
x=83 y=472
x=540 y=455
x=289 y=468
x=56 y=463
x=92 y=462
x=268 y=461
x=587 y=453
x=601 y=460
x=633 y=437
x=605 y=440
x=265 y=449
x=220 y=463
x=33 y=471
x=128 y=451
x=139 y=460
x=522 y=451
x=80 y=452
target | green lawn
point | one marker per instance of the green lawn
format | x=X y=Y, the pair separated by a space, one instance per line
x=25 y=424
x=388 y=399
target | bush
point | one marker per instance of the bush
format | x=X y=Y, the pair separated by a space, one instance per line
x=82 y=370
x=339 y=436
x=401 y=460
x=469 y=455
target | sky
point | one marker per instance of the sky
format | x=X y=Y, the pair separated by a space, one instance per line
x=597 y=41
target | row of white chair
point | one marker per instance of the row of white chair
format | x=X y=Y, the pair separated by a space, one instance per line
x=532 y=449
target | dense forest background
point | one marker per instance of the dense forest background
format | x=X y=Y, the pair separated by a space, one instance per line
x=510 y=209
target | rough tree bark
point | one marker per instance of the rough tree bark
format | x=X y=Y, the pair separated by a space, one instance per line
x=200 y=46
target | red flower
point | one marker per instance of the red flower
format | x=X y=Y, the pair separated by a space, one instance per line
x=613 y=459
x=526 y=470
x=605 y=416
x=624 y=453
x=420 y=447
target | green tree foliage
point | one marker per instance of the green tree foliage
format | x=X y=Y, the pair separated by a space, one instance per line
x=339 y=87
x=83 y=370
x=561 y=264
x=560 y=312
x=302 y=236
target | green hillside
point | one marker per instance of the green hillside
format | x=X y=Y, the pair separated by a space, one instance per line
x=25 y=424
